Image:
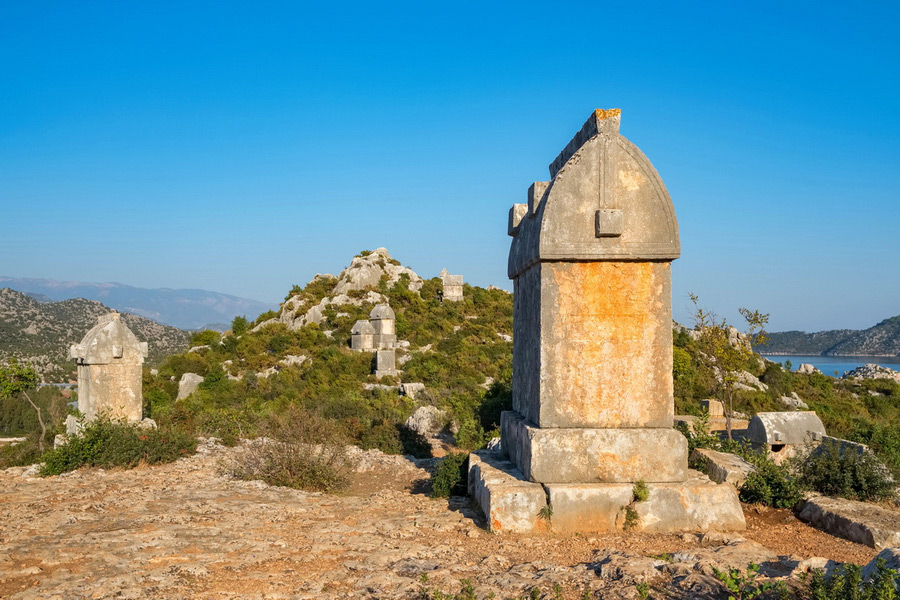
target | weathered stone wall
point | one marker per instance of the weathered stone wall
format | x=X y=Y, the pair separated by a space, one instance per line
x=112 y=390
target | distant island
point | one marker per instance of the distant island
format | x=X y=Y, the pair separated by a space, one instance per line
x=882 y=339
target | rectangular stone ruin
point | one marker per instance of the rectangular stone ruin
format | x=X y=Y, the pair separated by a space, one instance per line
x=385 y=363
x=452 y=287
x=593 y=402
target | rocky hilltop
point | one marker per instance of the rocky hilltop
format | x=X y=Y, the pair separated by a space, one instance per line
x=183 y=308
x=882 y=339
x=40 y=333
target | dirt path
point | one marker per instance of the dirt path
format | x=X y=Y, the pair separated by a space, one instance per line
x=185 y=531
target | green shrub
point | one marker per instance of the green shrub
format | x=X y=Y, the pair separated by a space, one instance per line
x=641 y=491
x=413 y=442
x=834 y=471
x=771 y=484
x=21 y=454
x=108 y=444
x=384 y=437
x=302 y=451
x=451 y=477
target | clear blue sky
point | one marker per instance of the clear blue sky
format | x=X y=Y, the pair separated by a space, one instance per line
x=243 y=147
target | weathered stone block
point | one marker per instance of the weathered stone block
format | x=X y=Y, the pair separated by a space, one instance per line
x=593 y=455
x=715 y=408
x=696 y=504
x=386 y=363
x=605 y=330
x=722 y=467
x=856 y=521
x=509 y=503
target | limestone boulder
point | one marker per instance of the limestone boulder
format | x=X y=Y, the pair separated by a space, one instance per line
x=808 y=369
x=793 y=402
x=188 y=384
x=426 y=420
x=891 y=558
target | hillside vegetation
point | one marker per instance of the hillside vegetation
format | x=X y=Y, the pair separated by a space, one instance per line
x=300 y=356
x=40 y=333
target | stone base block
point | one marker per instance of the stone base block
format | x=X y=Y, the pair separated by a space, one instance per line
x=594 y=455
x=696 y=504
x=508 y=501
x=512 y=504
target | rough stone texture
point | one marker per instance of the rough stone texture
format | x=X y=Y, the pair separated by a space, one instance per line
x=891 y=558
x=696 y=504
x=856 y=521
x=593 y=455
x=187 y=385
x=426 y=420
x=366 y=271
x=793 y=402
x=386 y=363
x=807 y=369
x=452 y=287
x=723 y=467
x=510 y=504
x=413 y=390
x=109 y=360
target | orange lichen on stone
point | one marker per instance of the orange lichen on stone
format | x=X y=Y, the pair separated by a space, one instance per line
x=607 y=113
x=609 y=355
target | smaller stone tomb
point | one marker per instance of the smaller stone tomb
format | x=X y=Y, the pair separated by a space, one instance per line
x=109 y=361
x=782 y=434
x=382 y=319
x=362 y=336
x=452 y=287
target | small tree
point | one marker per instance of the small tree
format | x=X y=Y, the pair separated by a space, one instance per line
x=728 y=353
x=16 y=378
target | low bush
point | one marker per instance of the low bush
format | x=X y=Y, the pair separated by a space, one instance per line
x=771 y=484
x=833 y=470
x=451 y=477
x=21 y=454
x=108 y=444
x=302 y=450
x=847 y=584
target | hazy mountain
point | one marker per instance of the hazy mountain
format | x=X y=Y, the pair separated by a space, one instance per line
x=185 y=309
x=41 y=332
x=881 y=340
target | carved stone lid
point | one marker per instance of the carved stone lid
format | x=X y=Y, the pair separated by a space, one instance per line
x=605 y=201
x=381 y=312
x=109 y=339
x=362 y=327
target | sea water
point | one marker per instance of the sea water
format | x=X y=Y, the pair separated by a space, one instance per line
x=841 y=364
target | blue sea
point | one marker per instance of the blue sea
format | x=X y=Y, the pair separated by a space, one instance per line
x=829 y=364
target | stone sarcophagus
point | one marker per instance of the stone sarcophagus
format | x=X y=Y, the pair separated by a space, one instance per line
x=592 y=351
x=109 y=361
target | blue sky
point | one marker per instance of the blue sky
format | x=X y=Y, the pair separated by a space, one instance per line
x=243 y=147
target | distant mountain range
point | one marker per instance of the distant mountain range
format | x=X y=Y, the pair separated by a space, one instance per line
x=40 y=333
x=185 y=309
x=881 y=340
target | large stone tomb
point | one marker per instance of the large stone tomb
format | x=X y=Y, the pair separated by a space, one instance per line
x=109 y=361
x=592 y=355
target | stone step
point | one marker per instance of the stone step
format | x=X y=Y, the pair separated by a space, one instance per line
x=858 y=522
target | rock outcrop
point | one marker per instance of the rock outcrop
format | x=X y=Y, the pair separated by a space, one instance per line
x=872 y=371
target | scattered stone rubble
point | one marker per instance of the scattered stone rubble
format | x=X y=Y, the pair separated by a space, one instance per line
x=590 y=260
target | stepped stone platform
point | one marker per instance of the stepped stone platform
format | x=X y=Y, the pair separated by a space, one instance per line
x=513 y=504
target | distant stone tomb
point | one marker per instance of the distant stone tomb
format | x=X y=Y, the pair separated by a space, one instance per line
x=386 y=364
x=452 y=287
x=782 y=434
x=593 y=398
x=362 y=336
x=109 y=360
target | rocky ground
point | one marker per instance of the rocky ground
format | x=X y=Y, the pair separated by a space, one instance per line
x=185 y=530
